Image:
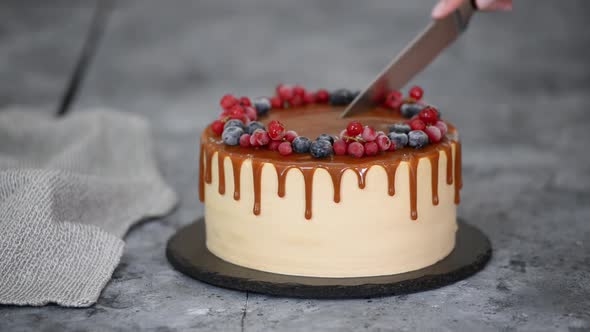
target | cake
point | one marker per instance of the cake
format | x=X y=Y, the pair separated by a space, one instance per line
x=291 y=188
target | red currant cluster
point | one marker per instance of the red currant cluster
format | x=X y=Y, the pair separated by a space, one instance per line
x=276 y=138
x=234 y=108
x=428 y=121
x=296 y=95
x=395 y=99
x=358 y=140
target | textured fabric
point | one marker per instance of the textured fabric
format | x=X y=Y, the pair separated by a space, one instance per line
x=69 y=190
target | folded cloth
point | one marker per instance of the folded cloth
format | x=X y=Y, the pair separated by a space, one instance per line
x=70 y=188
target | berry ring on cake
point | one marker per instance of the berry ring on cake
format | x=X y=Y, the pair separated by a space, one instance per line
x=291 y=188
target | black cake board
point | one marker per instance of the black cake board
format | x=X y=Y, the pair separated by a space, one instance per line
x=187 y=252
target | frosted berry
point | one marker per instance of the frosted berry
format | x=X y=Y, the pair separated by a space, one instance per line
x=234 y=123
x=236 y=112
x=417 y=124
x=434 y=134
x=356 y=149
x=322 y=96
x=309 y=97
x=259 y=138
x=251 y=113
x=444 y=129
x=301 y=144
x=245 y=101
x=392 y=147
x=252 y=126
x=408 y=110
x=285 y=92
x=262 y=106
x=298 y=90
x=290 y=135
x=393 y=99
x=383 y=142
x=217 y=127
x=276 y=102
x=326 y=137
x=371 y=148
x=285 y=148
x=429 y=115
x=369 y=134
x=321 y=148
x=339 y=147
x=416 y=92
x=341 y=97
x=400 y=140
x=354 y=128
x=274 y=145
x=417 y=139
x=276 y=130
x=296 y=101
x=231 y=135
x=245 y=140
x=400 y=128
x=228 y=101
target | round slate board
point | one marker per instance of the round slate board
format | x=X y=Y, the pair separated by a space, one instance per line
x=187 y=252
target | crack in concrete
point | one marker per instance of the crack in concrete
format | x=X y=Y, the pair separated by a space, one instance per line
x=244 y=311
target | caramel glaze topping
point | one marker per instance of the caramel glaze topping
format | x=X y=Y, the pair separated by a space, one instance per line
x=312 y=121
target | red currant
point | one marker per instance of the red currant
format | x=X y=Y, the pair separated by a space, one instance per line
x=394 y=100
x=290 y=135
x=416 y=92
x=276 y=130
x=429 y=115
x=355 y=149
x=391 y=147
x=245 y=101
x=354 y=128
x=369 y=134
x=245 y=140
x=339 y=147
x=274 y=145
x=296 y=101
x=309 y=97
x=444 y=129
x=434 y=134
x=322 y=96
x=217 y=127
x=228 y=101
x=259 y=138
x=298 y=90
x=276 y=102
x=417 y=124
x=236 y=112
x=371 y=148
x=383 y=142
x=251 y=113
x=285 y=92
x=285 y=148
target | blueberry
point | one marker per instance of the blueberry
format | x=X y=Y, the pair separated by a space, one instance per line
x=234 y=123
x=417 y=139
x=341 y=97
x=321 y=149
x=399 y=139
x=409 y=110
x=253 y=126
x=262 y=106
x=400 y=128
x=301 y=144
x=231 y=135
x=326 y=137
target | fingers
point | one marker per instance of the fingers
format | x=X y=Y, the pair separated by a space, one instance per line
x=445 y=7
x=494 y=4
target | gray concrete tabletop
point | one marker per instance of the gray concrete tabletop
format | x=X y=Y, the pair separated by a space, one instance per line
x=516 y=85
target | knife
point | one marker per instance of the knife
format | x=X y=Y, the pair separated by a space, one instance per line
x=416 y=56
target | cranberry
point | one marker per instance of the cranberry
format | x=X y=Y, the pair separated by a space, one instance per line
x=444 y=129
x=416 y=92
x=339 y=147
x=429 y=115
x=276 y=102
x=228 y=101
x=285 y=148
x=417 y=124
x=434 y=134
x=356 y=149
x=276 y=130
x=369 y=134
x=298 y=90
x=290 y=135
x=371 y=148
x=354 y=128
x=217 y=127
x=309 y=97
x=251 y=113
x=383 y=142
x=285 y=92
x=245 y=101
x=245 y=140
x=322 y=96
x=394 y=100
x=259 y=138
x=274 y=145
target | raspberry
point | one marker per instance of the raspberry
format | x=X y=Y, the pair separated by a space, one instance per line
x=236 y=112
x=276 y=102
x=394 y=100
x=429 y=115
x=276 y=130
x=290 y=135
x=217 y=127
x=417 y=124
x=339 y=147
x=434 y=134
x=285 y=92
x=383 y=142
x=354 y=128
x=296 y=101
x=245 y=140
x=285 y=148
x=245 y=101
x=356 y=149
x=322 y=96
x=371 y=148
x=228 y=101
x=259 y=138
x=251 y=113
x=416 y=92
x=369 y=134
x=298 y=90
x=309 y=97
x=274 y=145
x=442 y=126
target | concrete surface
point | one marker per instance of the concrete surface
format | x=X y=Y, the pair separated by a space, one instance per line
x=517 y=86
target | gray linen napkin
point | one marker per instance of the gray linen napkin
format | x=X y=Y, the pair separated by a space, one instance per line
x=69 y=190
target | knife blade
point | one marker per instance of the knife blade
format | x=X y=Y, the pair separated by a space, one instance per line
x=414 y=58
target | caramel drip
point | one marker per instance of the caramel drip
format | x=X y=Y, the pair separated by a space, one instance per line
x=282 y=177
x=221 y=171
x=434 y=175
x=390 y=169
x=458 y=175
x=336 y=176
x=448 y=149
x=308 y=180
x=361 y=173
x=413 y=168
x=236 y=164
x=208 y=160
x=201 y=174
x=257 y=174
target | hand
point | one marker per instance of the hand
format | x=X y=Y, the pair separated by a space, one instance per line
x=445 y=7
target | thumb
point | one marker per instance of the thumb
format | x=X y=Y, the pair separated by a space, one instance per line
x=445 y=7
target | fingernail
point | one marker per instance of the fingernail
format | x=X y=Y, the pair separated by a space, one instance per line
x=438 y=10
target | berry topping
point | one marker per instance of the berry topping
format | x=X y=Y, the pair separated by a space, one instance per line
x=301 y=144
x=290 y=135
x=245 y=140
x=371 y=149
x=298 y=90
x=234 y=123
x=356 y=149
x=354 y=128
x=416 y=92
x=429 y=115
x=393 y=99
x=251 y=113
x=259 y=138
x=417 y=139
x=434 y=134
x=369 y=134
x=383 y=142
x=400 y=128
x=326 y=137
x=417 y=124
x=236 y=112
x=285 y=92
x=262 y=106
x=444 y=129
x=285 y=148
x=217 y=127
x=245 y=101
x=296 y=101
x=339 y=147
x=231 y=135
x=228 y=101
x=276 y=130
x=309 y=97
x=399 y=140
x=409 y=110
x=276 y=102
x=274 y=145
x=322 y=96
x=341 y=97
x=252 y=126
x=321 y=148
